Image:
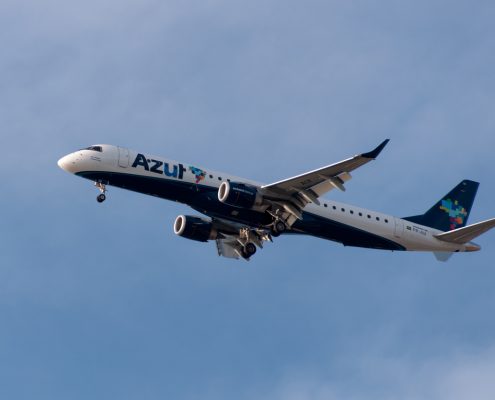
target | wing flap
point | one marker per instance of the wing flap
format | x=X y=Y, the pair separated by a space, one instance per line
x=332 y=183
x=228 y=247
x=467 y=233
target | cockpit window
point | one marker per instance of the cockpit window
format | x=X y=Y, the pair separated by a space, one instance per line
x=95 y=148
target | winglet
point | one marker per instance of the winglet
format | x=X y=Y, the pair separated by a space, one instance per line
x=374 y=153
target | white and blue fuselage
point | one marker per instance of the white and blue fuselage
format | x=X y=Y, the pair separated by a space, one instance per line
x=199 y=187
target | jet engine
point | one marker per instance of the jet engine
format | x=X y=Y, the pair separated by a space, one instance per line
x=239 y=195
x=194 y=228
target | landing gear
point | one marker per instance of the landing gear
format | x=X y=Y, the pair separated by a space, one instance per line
x=278 y=228
x=103 y=189
x=248 y=250
x=241 y=244
x=280 y=222
x=249 y=240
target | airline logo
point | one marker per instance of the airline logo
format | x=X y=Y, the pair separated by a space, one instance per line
x=159 y=167
x=167 y=169
x=457 y=213
x=198 y=173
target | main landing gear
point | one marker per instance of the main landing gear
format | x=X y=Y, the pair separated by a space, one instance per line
x=103 y=189
x=248 y=250
x=278 y=228
x=279 y=224
x=249 y=240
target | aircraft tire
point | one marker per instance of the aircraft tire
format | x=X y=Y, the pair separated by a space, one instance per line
x=280 y=227
x=250 y=249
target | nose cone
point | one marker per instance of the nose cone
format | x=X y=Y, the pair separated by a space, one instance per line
x=67 y=163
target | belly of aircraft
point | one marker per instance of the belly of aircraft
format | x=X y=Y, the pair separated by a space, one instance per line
x=204 y=199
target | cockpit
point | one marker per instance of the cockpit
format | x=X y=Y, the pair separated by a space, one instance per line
x=94 y=148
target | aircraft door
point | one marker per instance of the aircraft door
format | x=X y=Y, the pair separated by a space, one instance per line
x=123 y=157
x=399 y=227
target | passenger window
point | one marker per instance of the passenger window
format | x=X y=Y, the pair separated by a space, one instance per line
x=377 y=218
x=325 y=205
x=334 y=207
x=211 y=176
x=360 y=214
x=219 y=178
x=343 y=209
x=369 y=216
x=386 y=221
x=352 y=212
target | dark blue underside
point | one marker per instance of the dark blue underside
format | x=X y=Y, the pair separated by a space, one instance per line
x=204 y=200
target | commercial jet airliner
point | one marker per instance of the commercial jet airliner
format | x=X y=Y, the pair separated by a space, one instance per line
x=241 y=215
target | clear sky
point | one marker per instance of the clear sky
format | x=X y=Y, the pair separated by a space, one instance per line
x=103 y=301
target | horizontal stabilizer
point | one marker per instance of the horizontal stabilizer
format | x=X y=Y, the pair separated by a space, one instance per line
x=468 y=233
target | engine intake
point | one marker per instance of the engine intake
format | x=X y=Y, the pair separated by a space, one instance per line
x=239 y=195
x=194 y=228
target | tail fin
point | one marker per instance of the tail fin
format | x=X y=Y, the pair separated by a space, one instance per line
x=452 y=211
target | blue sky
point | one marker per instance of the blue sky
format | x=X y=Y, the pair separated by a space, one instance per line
x=103 y=301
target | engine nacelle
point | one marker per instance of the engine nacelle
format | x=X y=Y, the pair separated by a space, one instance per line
x=239 y=195
x=194 y=228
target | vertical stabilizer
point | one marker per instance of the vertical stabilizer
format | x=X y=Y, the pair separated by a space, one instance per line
x=443 y=255
x=452 y=211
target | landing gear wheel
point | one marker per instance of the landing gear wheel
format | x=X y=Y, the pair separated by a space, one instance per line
x=103 y=189
x=250 y=249
x=278 y=228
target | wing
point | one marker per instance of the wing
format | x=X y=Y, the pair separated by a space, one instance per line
x=285 y=200
x=294 y=193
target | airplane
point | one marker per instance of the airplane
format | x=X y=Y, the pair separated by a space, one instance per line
x=240 y=215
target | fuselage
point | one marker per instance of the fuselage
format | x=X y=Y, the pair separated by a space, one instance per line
x=198 y=187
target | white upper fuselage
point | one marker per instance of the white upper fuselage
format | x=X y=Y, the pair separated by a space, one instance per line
x=125 y=162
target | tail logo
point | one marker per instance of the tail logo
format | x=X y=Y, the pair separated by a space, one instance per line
x=457 y=213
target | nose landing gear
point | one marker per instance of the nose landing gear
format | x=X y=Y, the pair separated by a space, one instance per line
x=103 y=189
